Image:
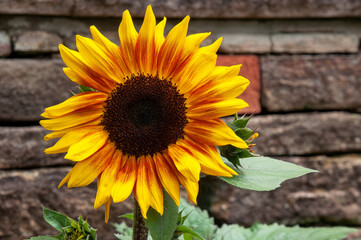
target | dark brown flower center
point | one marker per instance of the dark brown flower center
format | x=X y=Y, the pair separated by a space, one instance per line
x=144 y=115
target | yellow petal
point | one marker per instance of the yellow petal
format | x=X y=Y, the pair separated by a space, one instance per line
x=145 y=46
x=87 y=146
x=215 y=108
x=213 y=48
x=170 y=51
x=191 y=187
x=159 y=34
x=97 y=59
x=61 y=133
x=125 y=179
x=213 y=132
x=107 y=209
x=71 y=120
x=84 y=172
x=113 y=51
x=128 y=38
x=184 y=161
x=65 y=179
x=167 y=177
x=74 y=103
x=71 y=138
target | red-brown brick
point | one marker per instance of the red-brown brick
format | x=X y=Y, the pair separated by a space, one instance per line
x=251 y=70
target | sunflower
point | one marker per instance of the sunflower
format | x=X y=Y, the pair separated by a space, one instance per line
x=152 y=121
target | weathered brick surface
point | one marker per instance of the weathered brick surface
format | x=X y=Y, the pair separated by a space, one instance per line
x=331 y=196
x=37 y=42
x=315 y=43
x=22 y=193
x=311 y=82
x=307 y=133
x=37 y=7
x=29 y=86
x=177 y=8
x=250 y=69
x=22 y=147
x=5 y=44
x=246 y=43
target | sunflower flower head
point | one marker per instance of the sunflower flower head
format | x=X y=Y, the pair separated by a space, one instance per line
x=152 y=121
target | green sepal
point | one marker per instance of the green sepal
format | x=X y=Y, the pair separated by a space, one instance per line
x=86 y=89
x=244 y=133
x=232 y=153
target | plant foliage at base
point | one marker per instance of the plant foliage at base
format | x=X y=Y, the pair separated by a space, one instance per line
x=69 y=228
x=195 y=223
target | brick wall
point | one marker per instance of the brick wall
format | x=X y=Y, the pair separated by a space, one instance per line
x=302 y=58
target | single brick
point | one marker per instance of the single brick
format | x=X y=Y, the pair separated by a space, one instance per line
x=250 y=70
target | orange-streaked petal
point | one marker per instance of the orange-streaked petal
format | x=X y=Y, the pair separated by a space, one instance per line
x=184 y=161
x=84 y=172
x=216 y=108
x=194 y=71
x=171 y=50
x=142 y=191
x=167 y=177
x=213 y=132
x=74 y=103
x=83 y=73
x=155 y=187
x=71 y=120
x=125 y=179
x=107 y=180
x=128 y=39
x=87 y=146
x=145 y=51
x=209 y=159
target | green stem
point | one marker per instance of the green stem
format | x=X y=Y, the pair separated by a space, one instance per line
x=140 y=230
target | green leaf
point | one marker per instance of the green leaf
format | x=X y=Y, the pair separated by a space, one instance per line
x=86 y=89
x=185 y=230
x=124 y=232
x=280 y=232
x=162 y=227
x=263 y=173
x=128 y=215
x=198 y=220
x=56 y=219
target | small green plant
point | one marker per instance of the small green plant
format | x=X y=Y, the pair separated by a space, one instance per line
x=69 y=228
